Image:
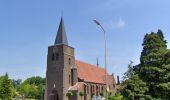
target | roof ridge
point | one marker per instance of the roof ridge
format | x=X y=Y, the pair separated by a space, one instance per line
x=99 y=67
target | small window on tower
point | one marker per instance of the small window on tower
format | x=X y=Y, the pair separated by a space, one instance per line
x=53 y=57
x=69 y=61
x=69 y=79
x=57 y=56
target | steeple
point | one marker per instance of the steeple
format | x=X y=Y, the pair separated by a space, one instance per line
x=97 y=62
x=61 y=37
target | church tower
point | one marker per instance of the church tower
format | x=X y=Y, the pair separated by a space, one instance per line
x=60 y=62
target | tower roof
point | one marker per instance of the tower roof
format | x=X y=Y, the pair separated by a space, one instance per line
x=61 y=37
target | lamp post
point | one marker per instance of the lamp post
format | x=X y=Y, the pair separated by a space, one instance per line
x=98 y=24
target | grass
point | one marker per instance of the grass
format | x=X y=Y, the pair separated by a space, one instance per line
x=118 y=98
x=22 y=99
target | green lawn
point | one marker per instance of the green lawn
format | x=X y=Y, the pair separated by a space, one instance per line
x=25 y=99
x=118 y=98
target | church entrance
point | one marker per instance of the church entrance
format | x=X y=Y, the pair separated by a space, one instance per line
x=54 y=95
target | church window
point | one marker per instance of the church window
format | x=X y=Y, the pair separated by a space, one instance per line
x=57 y=56
x=53 y=57
x=102 y=88
x=69 y=61
x=69 y=79
x=96 y=90
x=87 y=89
x=93 y=88
x=109 y=87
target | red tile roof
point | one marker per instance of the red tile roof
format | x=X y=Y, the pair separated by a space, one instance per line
x=92 y=73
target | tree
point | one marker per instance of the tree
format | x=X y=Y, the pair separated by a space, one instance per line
x=30 y=91
x=130 y=72
x=16 y=83
x=135 y=89
x=37 y=80
x=110 y=97
x=101 y=94
x=6 y=91
x=117 y=96
x=164 y=87
x=1 y=77
x=69 y=94
x=37 y=83
x=93 y=94
x=152 y=66
x=81 y=94
x=132 y=86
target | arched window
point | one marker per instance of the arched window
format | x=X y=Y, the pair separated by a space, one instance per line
x=69 y=61
x=69 y=79
x=102 y=88
x=93 y=88
x=57 y=56
x=87 y=89
x=53 y=57
x=97 y=90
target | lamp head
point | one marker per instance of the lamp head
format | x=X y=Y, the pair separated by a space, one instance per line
x=95 y=21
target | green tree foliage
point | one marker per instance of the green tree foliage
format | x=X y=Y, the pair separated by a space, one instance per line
x=150 y=78
x=69 y=94
x=152 y=57
x=35 y=80
x=130 y=72
x=93 y=94
x=30 y=91
x=33 y=87
x=164 y=86
x=16 y=83
x=154 y=65
x=117 y=96
x=1 y=77
x=135 y=88
x=81 y=94
x=101 y=94
x=6 y=89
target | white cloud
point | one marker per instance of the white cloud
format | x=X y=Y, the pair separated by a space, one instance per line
x=119 y=23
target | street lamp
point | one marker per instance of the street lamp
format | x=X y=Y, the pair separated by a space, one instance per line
x=98 y=24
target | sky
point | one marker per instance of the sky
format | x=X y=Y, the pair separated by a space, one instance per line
x=28 y=27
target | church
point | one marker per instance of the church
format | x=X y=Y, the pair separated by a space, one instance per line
x=67 y=74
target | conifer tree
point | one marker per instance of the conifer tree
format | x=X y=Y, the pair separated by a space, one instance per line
x=135 y=89
x=5 y=88
x=152 y=60
x=130 y=72
x=164 y=86
x=153 y=71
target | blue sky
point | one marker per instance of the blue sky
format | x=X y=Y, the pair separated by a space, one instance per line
x=28 y=27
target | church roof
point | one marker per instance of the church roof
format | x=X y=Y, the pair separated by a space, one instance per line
x=92 y=73
x=61 y=37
